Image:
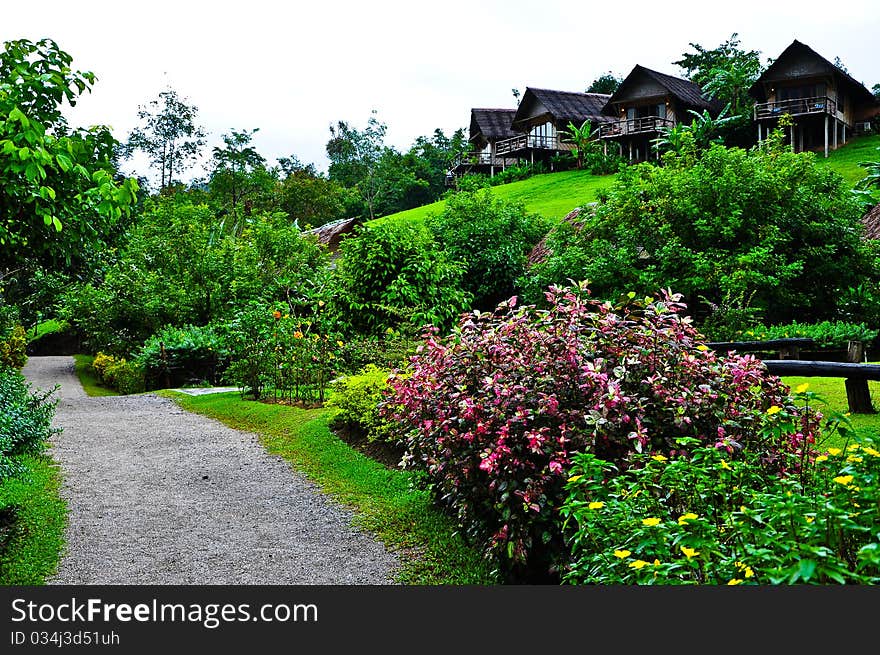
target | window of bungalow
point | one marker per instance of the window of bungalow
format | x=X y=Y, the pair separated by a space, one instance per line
x=544 y=134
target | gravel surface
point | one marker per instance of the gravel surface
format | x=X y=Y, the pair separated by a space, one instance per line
x=161 y=496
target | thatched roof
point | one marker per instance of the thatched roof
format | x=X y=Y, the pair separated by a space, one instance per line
x=330 y=234
x=563 y=106
x=685 y=91
x=781 y=70
x=541 y=251
x=871 y=221
x=491 y=124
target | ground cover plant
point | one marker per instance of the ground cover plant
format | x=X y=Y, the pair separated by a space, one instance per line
x=494 y=412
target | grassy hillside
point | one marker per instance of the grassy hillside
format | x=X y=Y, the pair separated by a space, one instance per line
x=845 y=160
x=552 y=195
x=555 y=194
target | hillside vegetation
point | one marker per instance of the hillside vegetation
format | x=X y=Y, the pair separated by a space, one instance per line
x=553 y=195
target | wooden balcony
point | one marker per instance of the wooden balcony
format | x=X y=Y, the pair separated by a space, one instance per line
x=795 y=107
x=633 y=126
x=525 y=142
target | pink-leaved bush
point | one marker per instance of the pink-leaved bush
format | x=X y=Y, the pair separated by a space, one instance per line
x=495 y=411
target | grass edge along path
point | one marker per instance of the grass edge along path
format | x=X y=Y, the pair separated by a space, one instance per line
x=386 y=502
x=87 y=377
x=37 y=542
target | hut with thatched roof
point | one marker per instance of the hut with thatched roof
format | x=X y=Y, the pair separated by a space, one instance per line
x=871 y=221
x=331 y=234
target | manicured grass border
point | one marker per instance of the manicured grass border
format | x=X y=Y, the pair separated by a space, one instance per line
x=35 y=548
x=386 y=502
x=87 y=377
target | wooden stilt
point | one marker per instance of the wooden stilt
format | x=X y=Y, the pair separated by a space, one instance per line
x=826 y=135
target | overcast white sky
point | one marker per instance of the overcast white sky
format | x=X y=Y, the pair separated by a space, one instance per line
x=291 y=69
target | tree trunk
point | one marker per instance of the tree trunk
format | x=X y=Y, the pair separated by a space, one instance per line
x=858 y=397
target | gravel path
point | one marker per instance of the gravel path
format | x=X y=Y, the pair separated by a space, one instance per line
x=161 y=496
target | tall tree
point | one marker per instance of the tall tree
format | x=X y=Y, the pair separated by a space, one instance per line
x=725 y=72
x=237 y=170
x=60 y=194
x=169 y=135
x=354 y=158
x=606 y=83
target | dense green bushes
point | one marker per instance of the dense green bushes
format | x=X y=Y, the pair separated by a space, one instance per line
x=714 y=517
x=492 y=237
x=764 y=230
x=392 y=274
x=25 y=420
x=177 y=356
x=118 y=373
x=359 y=397
x=825 y=334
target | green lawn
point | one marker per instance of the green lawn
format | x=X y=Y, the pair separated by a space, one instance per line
x=37 y=540
x=552 y=195
x=845 y=160
x=833 y=391
x=386 y=502
x=88 y=379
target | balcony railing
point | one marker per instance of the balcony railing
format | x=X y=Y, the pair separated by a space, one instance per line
x=796 y=107
x=627 y=126
x=531 y=141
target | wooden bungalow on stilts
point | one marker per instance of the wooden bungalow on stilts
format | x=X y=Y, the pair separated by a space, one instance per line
x=488 y=126
x=826 y=104
x=644 y=104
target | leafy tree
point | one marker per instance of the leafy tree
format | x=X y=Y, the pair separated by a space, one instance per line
x=60 y=195
x=168 y=135
x=238 y=174
x=876 y=91
x=394 y=274
x=704 y=130
x=354 y=158
x=311 y=199
x=606 y=83
x=725 y=74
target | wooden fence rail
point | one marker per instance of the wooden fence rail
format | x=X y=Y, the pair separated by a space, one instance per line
x=858 y=396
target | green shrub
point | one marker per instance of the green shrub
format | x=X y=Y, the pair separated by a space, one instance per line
x=826 y=334
x=358 y=398
x=395 y=274
x=182 y=355
x=13 y=348
x=492 y=237
x=25 y=420
x=118 y=373
x=390 y=350
x=766 y=225
x=715 y=517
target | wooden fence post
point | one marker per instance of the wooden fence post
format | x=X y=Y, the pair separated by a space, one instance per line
x=858 y=395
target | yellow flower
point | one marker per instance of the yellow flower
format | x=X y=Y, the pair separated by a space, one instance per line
x=703 y=347
x=725 y=465
x=748 y=572
x=871 y=451
x=689 y=552
x=734 y=581
x=684 y=518
x=297 y=335
x=742 y=508
x=774 y=409
x=834 y=451
x=822 y=458
x=656 y=563
x=575 y=478
x=810 y=519
x=803 y=387
x=639 y=563
x=845 y=480
x=852 y=459
x=596 y=504
x=340 y=344
x=853 y=446
x=658 y=458
x=622 y=553
x=651 y=522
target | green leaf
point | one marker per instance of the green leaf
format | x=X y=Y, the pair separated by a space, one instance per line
x=56 y=223
x=64 y=162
